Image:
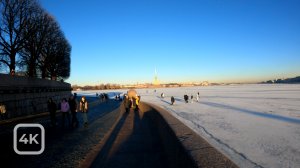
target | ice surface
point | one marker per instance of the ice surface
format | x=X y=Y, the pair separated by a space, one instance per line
x=254 y=125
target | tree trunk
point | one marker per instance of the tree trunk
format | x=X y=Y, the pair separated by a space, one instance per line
x=43 y=69
x=32 y=68
x=12 y=66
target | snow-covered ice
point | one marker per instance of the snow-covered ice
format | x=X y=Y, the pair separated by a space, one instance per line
x=255 y=125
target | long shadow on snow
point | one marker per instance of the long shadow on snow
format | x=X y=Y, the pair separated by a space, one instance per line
x=261 y=114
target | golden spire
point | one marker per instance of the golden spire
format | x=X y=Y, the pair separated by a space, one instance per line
x=156 y=82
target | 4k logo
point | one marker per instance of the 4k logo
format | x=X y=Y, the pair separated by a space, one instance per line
x=29 y=139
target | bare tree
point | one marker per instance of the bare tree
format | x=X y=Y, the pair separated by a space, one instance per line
x=59 y=67
x=14 y=17
x=37 y=30
x=55 y=60
x=28 y=31
x=64 y=62
x=47 y=60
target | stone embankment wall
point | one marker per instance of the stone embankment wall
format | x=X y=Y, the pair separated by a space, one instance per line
x=24 y=96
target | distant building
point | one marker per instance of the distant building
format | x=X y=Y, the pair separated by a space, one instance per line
x=205 y=83
x=187 y=84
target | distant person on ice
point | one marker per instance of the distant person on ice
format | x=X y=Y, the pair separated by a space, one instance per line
x=197 y=97
x=106 y=97
x=162 y=95
x=172 y=100
x=192 y=98
x=186 y=98
x=83 y=107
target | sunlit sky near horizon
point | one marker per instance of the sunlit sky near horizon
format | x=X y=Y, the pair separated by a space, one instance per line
x=123 y=41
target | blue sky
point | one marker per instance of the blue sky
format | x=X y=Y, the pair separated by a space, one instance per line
x=123 y=41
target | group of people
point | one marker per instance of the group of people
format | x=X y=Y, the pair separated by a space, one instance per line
x=186 y=98
x=67 y=108
x=103 y=96
x=131 y=102
x=118 y=97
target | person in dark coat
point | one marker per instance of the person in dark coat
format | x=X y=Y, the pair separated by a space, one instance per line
x=73 y=109
x=52 y=110
x=127 y=103
x=186 y=98
x=172 y=100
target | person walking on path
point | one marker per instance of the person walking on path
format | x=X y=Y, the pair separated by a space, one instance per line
x=139 y=96
x=133 y=100
x=65 y=108
x=127 y=103
x=75 y=96
x=137 y=101
x=172 y=100
x=73 y=109
x=52 y=110
x=83 y=107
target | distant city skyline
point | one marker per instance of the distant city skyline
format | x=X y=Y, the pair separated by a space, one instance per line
x=123 y=42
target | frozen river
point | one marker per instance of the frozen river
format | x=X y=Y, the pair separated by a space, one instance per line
x=255 y=125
